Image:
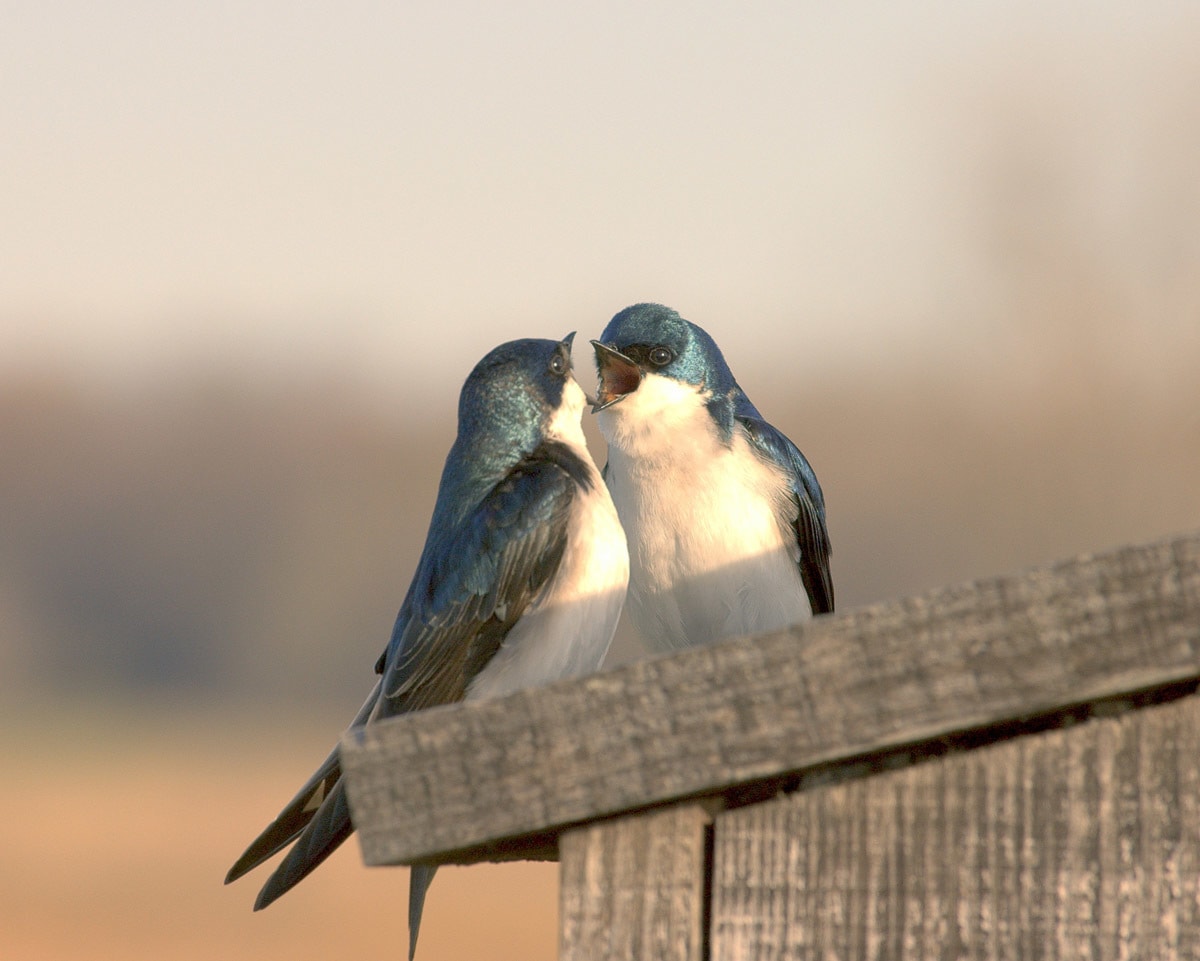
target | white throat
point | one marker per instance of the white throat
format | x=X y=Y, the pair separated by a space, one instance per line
x=566 y=421
x=652 y=421
x=711 y=554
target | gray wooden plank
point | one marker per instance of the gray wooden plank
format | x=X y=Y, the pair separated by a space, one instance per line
x=634 y=888
x=469 y=782
x=1078 y=843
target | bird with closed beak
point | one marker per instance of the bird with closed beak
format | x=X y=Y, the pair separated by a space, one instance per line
x=724 y=516
x=520 y=583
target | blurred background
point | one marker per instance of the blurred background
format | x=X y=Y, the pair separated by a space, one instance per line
x=248 y=253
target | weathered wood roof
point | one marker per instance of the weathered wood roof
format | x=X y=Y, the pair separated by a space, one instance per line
x=503 y=778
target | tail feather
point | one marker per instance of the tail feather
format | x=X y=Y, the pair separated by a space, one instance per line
x=419 y=879
x=291 y=820
x=328 y=827
x=312 y=802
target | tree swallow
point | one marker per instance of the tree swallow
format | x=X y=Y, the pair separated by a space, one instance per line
x=724 y=516
x=521 y=582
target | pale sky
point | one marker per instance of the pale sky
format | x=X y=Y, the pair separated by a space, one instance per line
x=394 y=188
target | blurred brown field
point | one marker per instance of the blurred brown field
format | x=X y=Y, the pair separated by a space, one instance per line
x=118 y=831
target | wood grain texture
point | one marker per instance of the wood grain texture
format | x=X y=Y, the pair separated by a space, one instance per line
x=1080 y=843
x=471 y=782
x=634 y=888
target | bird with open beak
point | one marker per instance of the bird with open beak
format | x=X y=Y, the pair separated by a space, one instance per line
x=723 y=514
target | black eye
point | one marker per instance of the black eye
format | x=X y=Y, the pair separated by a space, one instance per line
x=558 y=365
x=660 y=356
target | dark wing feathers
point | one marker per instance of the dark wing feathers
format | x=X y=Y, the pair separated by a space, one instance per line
x=812 y=537
x=458 y=612
x=472 y=585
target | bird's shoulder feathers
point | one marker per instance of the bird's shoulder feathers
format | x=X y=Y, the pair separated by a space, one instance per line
x=812 y=536
x=473 y=583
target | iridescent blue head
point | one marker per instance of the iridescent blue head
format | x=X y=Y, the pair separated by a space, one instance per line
x=655 y=339
x=650 y=339
x=508 y=406
x=517 y=394
x=510 y=397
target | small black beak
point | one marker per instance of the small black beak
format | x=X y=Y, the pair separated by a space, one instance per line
x=564 y=348
x=619 y=376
